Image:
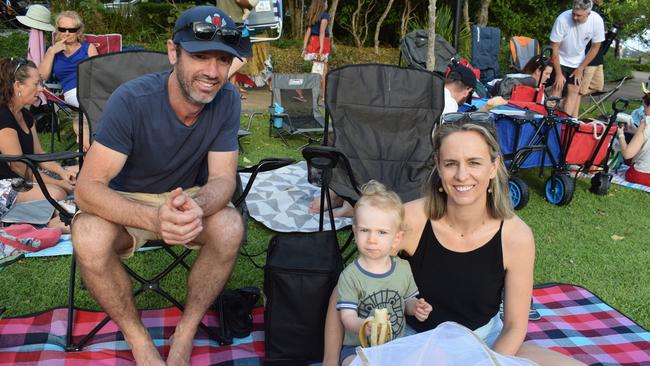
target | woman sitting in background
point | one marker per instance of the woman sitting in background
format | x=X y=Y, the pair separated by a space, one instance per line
x=638 y=150
x=20 y=84
x=64 y=56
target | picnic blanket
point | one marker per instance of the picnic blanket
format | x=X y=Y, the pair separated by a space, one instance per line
x=280 y=200
x=619 y=178
x=574 y=321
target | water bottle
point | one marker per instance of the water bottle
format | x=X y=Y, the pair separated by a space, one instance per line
x=277 y=109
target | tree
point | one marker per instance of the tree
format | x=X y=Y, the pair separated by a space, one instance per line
x=431 y=56
x=332 y=11
x=482 y=18
x=357 y=19
x=407 y=16
x=632 y=16
x=379 y=23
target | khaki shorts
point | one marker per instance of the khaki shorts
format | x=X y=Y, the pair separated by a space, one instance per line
x=141 y=236
x=593 y=80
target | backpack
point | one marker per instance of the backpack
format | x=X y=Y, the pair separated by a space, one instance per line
x=234 y=307
x=301 y=271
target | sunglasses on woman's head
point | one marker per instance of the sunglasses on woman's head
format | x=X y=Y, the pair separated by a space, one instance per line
x=19 y=63
x=204 y=31
x=67 y=30
x=467 y=117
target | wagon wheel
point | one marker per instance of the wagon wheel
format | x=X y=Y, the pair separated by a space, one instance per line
x=600 y=183
x=519 y=194
x=559 y=189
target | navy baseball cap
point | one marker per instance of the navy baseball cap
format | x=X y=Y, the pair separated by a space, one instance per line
x=464 y=74
x=207 y=28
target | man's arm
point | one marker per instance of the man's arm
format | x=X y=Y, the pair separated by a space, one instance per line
x=218 y=191
x=577 y=73
x=93 y=195
x=559 y=77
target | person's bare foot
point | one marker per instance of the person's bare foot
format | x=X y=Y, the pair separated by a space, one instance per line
x=180 y=351
x=147 y=355
x=314 y=206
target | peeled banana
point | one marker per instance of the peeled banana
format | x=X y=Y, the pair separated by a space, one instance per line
x=381 y=330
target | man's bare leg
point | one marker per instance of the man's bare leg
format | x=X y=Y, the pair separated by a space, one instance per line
x=220 y=240
x=572 y=100
x=97 y=245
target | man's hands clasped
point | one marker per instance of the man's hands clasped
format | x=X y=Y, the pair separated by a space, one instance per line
x=180 y=219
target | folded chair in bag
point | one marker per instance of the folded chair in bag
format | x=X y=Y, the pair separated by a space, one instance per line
x=382 y=118
x=98 y=78
x=414 y=47
x=294 y=106
x=485 y=51
x=522 y=49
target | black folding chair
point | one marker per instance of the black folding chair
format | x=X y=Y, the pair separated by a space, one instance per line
x=382 y=118
x=98 y=77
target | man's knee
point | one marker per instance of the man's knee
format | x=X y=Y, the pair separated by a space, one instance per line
x=94 y=237
x=225 y=230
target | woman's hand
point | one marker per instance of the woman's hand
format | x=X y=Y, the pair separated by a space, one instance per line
x=58 y=46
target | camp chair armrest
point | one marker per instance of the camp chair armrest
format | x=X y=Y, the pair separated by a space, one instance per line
x=327 y=158
x=264 y=165
x=40 y=158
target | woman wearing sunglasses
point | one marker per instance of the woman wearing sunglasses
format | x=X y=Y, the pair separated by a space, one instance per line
x=65 y=54
x=20 y=84
x=465 y=245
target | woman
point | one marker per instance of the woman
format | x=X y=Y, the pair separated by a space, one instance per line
x=316 y=43
x=531 y=75
x=638 y=150
x=20 y=84
x=465 y=245
x=63 y=57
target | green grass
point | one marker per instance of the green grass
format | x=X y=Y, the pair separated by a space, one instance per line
x=574 y=245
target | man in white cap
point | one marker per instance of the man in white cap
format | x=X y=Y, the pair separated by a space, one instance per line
x=163 y=166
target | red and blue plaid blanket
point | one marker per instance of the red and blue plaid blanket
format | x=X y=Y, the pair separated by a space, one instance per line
x=574 y=322
x=581 y=325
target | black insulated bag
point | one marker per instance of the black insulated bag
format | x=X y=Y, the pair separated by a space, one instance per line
x=301 y=271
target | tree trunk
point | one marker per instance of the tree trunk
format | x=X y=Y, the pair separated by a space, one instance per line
x=466 y=14
x=379 y=22
x=483 y=12
x=332 y=12
x=406 y=18
x=431 y=57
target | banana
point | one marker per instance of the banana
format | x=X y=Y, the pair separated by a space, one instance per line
x=381 y=330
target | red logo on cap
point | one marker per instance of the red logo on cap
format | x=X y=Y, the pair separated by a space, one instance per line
x=215 y=19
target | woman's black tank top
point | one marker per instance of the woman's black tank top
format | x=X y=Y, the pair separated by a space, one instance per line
x=461 y=287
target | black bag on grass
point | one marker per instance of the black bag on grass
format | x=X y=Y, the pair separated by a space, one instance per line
x=300 y=273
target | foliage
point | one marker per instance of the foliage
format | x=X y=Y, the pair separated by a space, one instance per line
x=616 y=69
x=526 y=17
x=632 y=15
x=14 y=44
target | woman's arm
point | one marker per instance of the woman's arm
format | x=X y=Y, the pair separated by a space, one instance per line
x=10 y=145
x=321 y=37
x=630 y=150
x=45 y=67
x=333 y=333
x=519 y=263
x=305 y=41
x=51 y=165
x=92 y=50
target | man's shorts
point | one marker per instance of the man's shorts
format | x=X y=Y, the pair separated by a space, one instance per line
x=566 y=71
x=593 y=80
x=141 y=236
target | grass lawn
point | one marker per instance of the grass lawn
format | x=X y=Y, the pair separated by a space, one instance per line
x=574 y=245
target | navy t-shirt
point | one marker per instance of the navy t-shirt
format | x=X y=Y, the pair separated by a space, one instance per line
x=315 y=28
x=163 y=153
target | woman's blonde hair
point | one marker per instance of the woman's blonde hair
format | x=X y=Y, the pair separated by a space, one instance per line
x=375 y=194
x=498 y=200
x=70 y=14
x=316 y=8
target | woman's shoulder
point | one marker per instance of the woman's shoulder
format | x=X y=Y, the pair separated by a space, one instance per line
x=6 y=118
x=516 y=233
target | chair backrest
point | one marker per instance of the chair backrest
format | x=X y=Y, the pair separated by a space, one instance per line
x=267 y=15
x=485 y=51
x=99 y=76
x=298 y=94
x=522 y=49
x=382 y=118
x=414 y=47
x=105 y=43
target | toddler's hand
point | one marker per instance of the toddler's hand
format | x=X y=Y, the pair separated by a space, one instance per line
x=422 y=310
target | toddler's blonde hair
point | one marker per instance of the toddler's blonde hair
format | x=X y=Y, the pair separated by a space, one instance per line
x=375 y=194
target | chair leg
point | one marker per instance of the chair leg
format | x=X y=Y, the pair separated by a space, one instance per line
x=71 y=284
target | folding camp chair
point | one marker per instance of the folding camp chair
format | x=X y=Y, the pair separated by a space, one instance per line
x=599 y=98
x=267 y=15
x=522 y=49
x=294 y=106
x=98 y=77
x=382 y=118
x=105 y=44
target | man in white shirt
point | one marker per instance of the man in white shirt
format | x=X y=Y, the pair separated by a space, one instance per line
x=572 y=30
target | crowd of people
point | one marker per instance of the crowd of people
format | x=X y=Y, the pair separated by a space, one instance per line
x=140 y=183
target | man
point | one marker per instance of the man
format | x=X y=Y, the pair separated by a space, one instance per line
x=163 y=166
x=572 y=30
x=459 y=87
x=593 y=78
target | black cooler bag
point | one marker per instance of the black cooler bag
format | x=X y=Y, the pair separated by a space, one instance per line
x=300 y=273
